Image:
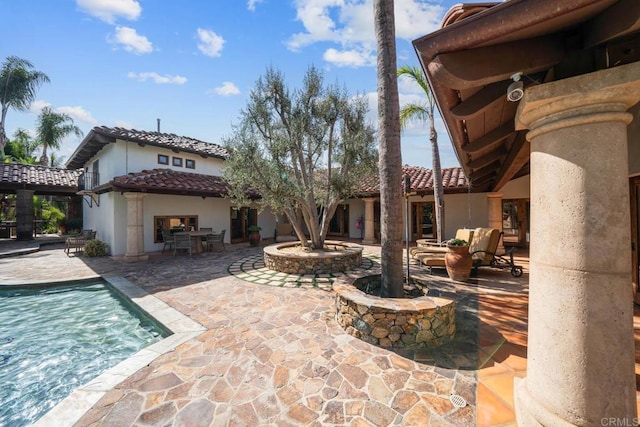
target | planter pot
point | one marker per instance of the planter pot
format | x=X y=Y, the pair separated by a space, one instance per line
x=254 y=238
x=458 y=262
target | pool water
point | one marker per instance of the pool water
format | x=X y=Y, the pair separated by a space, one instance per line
x=55 y=339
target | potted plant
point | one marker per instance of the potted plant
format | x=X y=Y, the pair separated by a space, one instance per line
x=254 y=235
x=62 y=225
x=458 y=260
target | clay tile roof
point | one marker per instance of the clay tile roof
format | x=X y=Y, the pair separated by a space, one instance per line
x=421 y=180
x=168 y=181
x=42 y=179
x=100 y=136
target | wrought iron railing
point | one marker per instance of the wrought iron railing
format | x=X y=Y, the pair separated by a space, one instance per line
x=88 y=181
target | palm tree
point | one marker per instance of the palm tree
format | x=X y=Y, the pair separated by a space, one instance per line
x=390 y=153
x=424 y=112
x=22 y=147
x=18 y=86
x=52 y=129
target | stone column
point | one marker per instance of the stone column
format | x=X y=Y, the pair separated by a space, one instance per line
x=580 y=368
x=369 y=222
x=135 y=228
x=494 y=204
x=24 y=215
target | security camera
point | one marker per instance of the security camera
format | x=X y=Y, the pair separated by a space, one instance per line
x=515 y=91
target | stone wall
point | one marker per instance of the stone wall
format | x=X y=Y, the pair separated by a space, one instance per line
x=277 y=258
x=394 y=322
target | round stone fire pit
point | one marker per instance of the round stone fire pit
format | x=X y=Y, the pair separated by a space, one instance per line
x=338 y=256
x=398 y=323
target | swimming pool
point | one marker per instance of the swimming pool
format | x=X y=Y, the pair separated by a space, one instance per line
x=54 y=339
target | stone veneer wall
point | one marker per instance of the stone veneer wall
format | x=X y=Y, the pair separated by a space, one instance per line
x=394 y=322
x=313 y=262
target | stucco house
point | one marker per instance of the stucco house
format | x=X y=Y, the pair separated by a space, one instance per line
x=136 y=183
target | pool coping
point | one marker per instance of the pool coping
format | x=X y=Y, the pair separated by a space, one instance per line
x=183 y=328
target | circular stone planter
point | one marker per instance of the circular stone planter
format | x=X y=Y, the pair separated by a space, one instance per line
x=398 y=323
x=348 y=256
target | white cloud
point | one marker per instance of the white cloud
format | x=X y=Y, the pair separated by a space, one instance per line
x=78 y=114
x=349 y=23
x=157 y=78
x=251 y=4
x=210 y=43
x=37 y=106
x=131 y=41
x=349 y=58
x=408 y=85
x=227 y=89
x=110 y=10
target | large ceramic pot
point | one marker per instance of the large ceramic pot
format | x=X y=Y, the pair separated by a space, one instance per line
x=458 y=262
x=254 y=238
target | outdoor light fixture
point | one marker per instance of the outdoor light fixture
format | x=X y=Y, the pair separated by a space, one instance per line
x=515 y=91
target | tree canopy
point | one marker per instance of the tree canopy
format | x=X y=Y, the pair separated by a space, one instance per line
x=52 y=129
x=18 y=86
x=303 y=151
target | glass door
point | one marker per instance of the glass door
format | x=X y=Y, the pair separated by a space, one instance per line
x=422 y=220
x=241 y=219
x=339 y=224
x=515 y=222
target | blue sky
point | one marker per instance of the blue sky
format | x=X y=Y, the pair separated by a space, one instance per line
x=193 y=63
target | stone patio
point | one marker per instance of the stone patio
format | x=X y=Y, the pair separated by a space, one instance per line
x=273 y=354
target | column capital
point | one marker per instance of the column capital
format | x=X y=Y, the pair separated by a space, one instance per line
x=601 y=96
x=494 y=195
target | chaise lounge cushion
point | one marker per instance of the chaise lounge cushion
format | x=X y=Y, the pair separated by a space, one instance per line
x=284 y=233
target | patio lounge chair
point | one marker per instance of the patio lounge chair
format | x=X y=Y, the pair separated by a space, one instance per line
x=465 y=234
x=216 y=240
x=77 y=242
x=483 y=249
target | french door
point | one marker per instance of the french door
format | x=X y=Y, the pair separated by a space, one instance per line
x=423 y=225
x=515 y=222
x=339 y=224
x=241 y=219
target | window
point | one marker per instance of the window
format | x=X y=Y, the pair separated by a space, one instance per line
x=95 y=177
x=163 y=160
x=173 y=223
x=190 y=164
x=177 y=161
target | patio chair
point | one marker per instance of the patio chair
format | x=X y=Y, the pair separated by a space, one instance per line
x=78 y=241
x=465 y=234
x=216 y=240
x=483 y=250
x=483 y=247
x=167 y=238
x=284 y=233
x=182 y=242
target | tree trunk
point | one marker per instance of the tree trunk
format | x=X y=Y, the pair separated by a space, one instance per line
x=390 y=154
x=438 y=190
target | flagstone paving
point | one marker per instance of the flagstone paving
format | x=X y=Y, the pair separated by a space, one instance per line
x=272 y=353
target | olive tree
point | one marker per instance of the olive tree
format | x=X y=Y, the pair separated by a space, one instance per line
x=303 y=151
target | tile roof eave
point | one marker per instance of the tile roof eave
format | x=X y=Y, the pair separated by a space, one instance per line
x=124 y=188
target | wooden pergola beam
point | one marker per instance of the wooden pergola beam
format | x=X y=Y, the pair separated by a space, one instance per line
x=490 y=139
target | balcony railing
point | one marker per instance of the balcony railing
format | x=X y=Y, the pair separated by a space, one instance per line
x=87 y=181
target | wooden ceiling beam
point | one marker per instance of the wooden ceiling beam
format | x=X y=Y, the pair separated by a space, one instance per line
x=619 y=20
x=486 y=159
x=490 y=139
x=517 y=157
x=495 y=63
x=479 y=101
x=487 y=170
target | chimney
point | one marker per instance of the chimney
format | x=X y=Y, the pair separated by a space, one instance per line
x=158 y=125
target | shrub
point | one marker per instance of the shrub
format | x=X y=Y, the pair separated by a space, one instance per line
x=95 y=247
x=457 y=242
x=254 y=228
